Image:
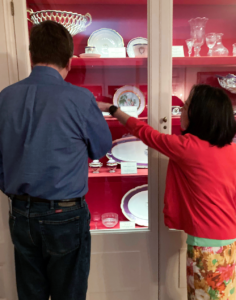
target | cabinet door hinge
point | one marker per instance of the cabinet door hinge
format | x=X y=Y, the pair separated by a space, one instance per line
x=12 y=8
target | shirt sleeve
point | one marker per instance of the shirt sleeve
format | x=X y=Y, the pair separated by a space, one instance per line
x=172 y=146
x=1 y=174
x=98 y=135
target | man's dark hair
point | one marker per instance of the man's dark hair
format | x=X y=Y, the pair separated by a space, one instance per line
x=51 y=43
x=211 y=115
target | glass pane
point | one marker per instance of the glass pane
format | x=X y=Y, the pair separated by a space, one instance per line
x=110 y=60
x=204 y=30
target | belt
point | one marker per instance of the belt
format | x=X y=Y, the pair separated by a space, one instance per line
x=35 y=199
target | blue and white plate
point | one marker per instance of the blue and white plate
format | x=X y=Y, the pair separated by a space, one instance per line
x=105 y=38
x=138 y=40
x=134 y=205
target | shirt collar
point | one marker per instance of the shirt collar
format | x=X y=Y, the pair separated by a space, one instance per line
x=43 y=70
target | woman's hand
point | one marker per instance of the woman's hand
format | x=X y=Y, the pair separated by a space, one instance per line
x=104 y=107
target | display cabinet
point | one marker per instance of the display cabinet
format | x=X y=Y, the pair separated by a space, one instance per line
x=148 y=260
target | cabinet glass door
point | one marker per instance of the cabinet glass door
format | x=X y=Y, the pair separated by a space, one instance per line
x=110 y=60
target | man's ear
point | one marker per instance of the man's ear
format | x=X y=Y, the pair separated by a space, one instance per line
x=68 y=66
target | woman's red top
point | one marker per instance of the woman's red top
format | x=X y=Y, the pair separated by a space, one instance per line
x=200 y=196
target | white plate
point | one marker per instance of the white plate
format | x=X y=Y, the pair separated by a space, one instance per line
x=134 y=205
x=129 y=95
x=138 y=40
x=105 y=38
x=129 y=149
x=90 y=55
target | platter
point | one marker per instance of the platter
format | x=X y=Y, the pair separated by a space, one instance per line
x=129 y=149
x=134 y=205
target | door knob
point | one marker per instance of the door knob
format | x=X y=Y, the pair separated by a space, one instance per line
x=164 y=119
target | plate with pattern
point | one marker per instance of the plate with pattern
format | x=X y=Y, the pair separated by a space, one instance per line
x=129 y=149
x=129 y=95
x=134 y=205
x=138 y=40
x=105 y=38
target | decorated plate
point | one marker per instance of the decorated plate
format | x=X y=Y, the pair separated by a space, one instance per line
x=134 y=205
x=138 y=40
x=129 y=149
x=129 y=95
x=105 y=38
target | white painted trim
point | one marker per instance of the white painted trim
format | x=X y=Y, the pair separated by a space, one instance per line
x=22 y=38
x=10 y=42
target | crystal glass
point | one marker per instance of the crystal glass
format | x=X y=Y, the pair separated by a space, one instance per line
x=234 y=49
x=96 y=217
x=219 y=49
x=190 y=43
x=210 y=41
x=197 y=27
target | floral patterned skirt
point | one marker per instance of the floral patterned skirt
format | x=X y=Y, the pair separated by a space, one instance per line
x=211 y=272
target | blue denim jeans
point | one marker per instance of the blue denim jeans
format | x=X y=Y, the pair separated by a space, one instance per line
x=52 y=250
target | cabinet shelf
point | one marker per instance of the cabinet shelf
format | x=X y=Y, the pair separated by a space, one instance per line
x=87 y=2
x=204 y=2
x=205 y=61
x=105 y=173
x=78 y=63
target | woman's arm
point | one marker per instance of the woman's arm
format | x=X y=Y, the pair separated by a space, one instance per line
x=119 y=114
x=171 y=145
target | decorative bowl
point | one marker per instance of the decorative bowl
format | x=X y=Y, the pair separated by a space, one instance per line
x=73 y=22
x=109 y=219
x=228 y=82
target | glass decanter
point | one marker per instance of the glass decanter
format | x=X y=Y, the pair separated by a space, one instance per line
x=197 y=27
x=219 y=49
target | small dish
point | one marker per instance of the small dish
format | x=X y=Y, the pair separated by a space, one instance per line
x=90 y=55
x=90 y=49
x=140 y=50
x=95 y=165
x=129 y=95
x=138 y=40
x=109 y=219
x=112 y=165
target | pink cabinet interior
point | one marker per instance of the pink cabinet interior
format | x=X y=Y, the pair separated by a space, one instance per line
x=105 y=75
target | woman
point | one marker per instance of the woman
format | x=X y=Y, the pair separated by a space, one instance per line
x=200 y=195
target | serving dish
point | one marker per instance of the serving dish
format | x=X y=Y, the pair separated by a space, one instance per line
x=129 y=149
x=134 y=205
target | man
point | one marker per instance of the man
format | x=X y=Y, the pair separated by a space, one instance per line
x=48 y=129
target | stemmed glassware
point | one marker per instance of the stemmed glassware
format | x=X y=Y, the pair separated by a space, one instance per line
x=210 y=41
x=197 y=26
x=190 y=43
x=96 y=218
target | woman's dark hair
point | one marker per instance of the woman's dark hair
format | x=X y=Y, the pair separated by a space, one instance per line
x=211 y=115
x=51 y=43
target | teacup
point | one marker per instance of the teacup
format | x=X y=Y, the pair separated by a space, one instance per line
x=140 y=50
x=90 y=49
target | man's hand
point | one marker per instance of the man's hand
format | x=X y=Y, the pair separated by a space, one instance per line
x=104 y=107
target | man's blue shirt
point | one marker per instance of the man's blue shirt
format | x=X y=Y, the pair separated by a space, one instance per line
x=48 y=129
